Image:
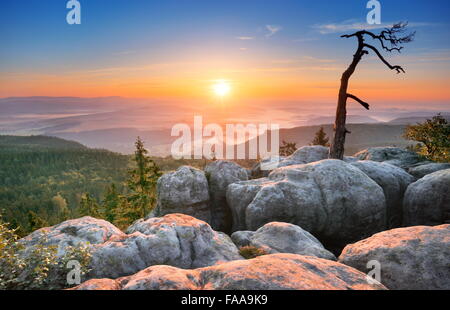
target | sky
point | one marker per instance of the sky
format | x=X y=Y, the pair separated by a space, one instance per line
x=275 y=53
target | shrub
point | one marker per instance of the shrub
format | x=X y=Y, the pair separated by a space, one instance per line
x=39 y=267
x=250 y=252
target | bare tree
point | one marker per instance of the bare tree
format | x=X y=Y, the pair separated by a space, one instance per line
x=394 y=37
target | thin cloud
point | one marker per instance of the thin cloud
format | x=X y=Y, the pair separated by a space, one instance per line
x=245 y=38
x=355 y=26
x=273 y=29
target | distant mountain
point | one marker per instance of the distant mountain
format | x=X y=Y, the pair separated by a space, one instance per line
x=351 y=119
x=416 y=119
x=38 y=143
x=362 y=136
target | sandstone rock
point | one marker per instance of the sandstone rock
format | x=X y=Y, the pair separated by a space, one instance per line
x=394 y=182
x=184 y=191
x=391 y=155
x=306 y=155
x=333 y=200
x=423 y=170
x=220 y=174
x=176 y=240
x=413 y=258
x=263 y=168
x=270 y=272
x=278 y=237
x=427 y=201
x=82 y=231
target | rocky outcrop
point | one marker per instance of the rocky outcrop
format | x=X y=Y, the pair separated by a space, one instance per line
x=184 y=191
x=82 y=231
x=220 y=174
x=394 y=181
x=413 y=258
x=270 y=272
x=333 y=200
x=263 y=168
x=304 y=155
x=176 y=240
x=391 y=155
x=423 y=170
x=427 y=201
x=282 y=238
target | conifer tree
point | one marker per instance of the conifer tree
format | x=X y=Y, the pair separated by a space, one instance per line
x=321 y=138
x=89 y=207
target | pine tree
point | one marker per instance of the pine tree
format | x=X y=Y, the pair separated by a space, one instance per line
x=89 y=207
x=110 y=204
x=321 y=138
x=35 y=222
x=288 y=148
x=142 y=185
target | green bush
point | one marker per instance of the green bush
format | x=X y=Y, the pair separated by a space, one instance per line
x=36 y=268
x=250 y=252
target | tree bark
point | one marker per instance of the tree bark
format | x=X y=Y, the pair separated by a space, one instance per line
x=340 y=130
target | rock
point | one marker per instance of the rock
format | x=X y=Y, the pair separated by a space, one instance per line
x=394 y=181
x=278 y=237
x=72 y=233
x=304 y=155
x=427 y=201
x=391 y=155
x=263 y=168
x=423 y=170
x=413 y=258
x=176 y=240
x=270 y=272
x=333 y=200
x=184 y=191
x=220 y=174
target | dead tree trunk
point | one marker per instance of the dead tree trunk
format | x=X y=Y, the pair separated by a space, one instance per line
x=388 y=35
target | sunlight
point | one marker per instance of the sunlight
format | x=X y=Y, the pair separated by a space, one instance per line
x=221 y=88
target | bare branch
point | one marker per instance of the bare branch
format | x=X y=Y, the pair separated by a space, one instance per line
x=364 y=104
x=399 y=69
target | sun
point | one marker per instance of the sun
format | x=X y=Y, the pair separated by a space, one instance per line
x=221 y=88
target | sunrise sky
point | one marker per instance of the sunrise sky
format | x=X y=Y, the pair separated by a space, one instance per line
x=282 y=51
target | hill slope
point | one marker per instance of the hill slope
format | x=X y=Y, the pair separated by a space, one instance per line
x=34 y=170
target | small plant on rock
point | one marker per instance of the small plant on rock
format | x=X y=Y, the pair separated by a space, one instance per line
x=249 y=252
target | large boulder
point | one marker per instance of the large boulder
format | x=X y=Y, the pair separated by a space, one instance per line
x=220 y=174
x=184 y=191
x=391 y=155
x=427 y=201
x=270 y=272
x=263 y=168
x=423 y=170
x=278 y=237
x=82 y=231
x=394 y=182
x=413 y=258
x=333 y=200
x=176 y=240
x=304 y=155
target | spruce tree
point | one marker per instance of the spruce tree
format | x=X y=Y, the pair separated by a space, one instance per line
x=321 y=138
x=142 y=186
x=89 y=207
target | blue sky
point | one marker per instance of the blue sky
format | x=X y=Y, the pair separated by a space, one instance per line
x=147 y=41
